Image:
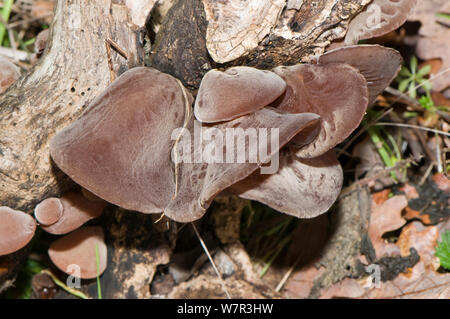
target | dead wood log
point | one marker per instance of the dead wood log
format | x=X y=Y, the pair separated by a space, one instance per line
x=74 y=69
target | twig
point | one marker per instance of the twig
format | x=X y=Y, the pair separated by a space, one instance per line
x=109 y=43
x=18 y=54
x=116 y=47
x=211 y=260
x=366 y=181
x=287 y=275
x=413 y=127
x=427 y=173
x=403 y=96
x=112 y=74
x=59 y=283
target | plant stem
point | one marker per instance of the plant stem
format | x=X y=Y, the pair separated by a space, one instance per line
x=5 y=13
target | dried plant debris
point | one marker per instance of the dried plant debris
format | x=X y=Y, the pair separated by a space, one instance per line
x=386 y=217
x=421 y=280
x=433 y=38
x=428 y=202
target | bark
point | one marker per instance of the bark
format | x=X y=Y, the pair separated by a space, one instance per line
x=74 y=69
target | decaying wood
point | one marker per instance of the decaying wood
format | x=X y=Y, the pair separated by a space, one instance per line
x=348 y=240
x=74 y=69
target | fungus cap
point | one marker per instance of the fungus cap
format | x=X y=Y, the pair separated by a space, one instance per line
x=16 y=230
x=78 y=249
x=120 y=147
x=238 y=91
x=337 y=92
x=49 y=211
x=379 y=65
x=304 y=188
x=77 y=210
x=379 y=17
x=41 y=42
x=199 y=182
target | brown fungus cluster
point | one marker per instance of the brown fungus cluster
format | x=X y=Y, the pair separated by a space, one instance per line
x=75 y=252
x=378 y=18
x=125 y=147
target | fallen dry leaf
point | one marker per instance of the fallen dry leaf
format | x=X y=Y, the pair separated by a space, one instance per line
x=414 y=214
x=428 y=203
x=302 y=281
x=422 y=281
x=423 y=239
x=380 y=197
x=386 y=217
x=439 y=99
x=348 y=288
x=410 y=191
x=442 y=182
x=433 y=41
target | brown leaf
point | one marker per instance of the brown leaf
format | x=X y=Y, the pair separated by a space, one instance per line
x=410 y=191
x=423 y=239
x=422 y=281
x=380 y=197
x=386 y=217
x=442 y=182
x=414 y=214
x=301 y=281
x=433 y=42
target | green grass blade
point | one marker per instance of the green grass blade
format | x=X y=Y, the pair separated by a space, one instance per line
x=63 y=286
x=97 y=262
x=443 y=15
x=5 y=13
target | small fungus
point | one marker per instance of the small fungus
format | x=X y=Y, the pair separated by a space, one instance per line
x=76 y=253
x=16 y=230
